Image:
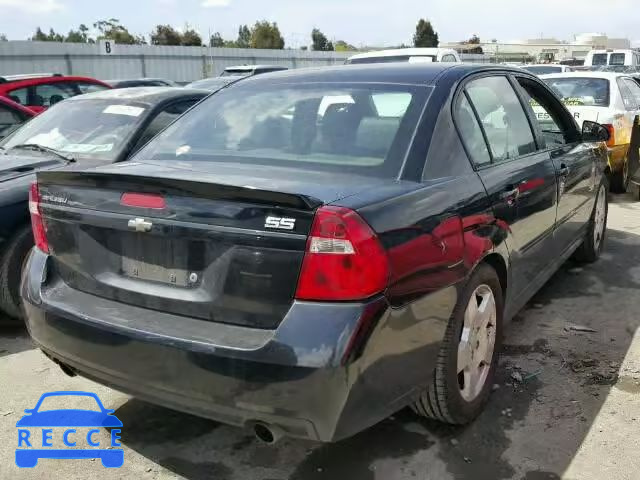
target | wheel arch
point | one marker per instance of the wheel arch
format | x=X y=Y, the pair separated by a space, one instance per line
x=498 y=263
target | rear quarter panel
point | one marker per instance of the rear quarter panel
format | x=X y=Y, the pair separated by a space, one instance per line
x=435 y=235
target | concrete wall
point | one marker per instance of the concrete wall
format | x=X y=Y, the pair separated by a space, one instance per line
x=181 y=64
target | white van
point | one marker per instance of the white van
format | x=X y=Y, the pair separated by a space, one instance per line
x=618 y=58
x=410 y=55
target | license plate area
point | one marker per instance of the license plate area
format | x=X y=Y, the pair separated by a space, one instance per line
x=157 y=260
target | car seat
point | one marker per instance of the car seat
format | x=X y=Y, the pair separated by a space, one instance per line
x=55 y=99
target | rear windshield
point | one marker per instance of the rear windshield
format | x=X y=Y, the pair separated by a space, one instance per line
x=599 y=59
x=357 y=128
x=236 y=73
x=575 y=91
x=543 y=69
x=212 y=84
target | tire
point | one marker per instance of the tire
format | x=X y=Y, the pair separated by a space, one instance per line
x=11 y=264
x=444 y=399
x=593 y=244
x=620 y=180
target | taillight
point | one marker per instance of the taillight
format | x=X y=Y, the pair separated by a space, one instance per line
x=344 y=259
x=143 y=200
x=37 y=225
x=612 y=135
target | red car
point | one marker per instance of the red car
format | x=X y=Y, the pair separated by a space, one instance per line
x=12 y=115
x=38 y=92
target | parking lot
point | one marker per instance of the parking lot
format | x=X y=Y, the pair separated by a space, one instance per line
x=565 y=405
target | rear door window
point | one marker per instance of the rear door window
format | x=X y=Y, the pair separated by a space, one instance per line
x=46 y=95
x=8 y=118
x=626 y=95
x=162 y=120
x=634 y=91
x=471 y=132
x=20 y=95
x=502 y=118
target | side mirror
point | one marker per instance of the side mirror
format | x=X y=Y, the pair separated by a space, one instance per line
x=594 y=132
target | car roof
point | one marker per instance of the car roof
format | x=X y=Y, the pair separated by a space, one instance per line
x=150 y=95
x=14 y=85
x=144 y=79
x=586 y=74
x=207 y=83
x=391 y=73
x=402 y=51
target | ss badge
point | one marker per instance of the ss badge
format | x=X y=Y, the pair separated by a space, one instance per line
x=280 y=223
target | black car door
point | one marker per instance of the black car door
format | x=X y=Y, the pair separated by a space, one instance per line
x=574 y=161
x=519 y=178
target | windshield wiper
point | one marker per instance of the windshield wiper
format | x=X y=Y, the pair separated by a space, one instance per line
x=42 y=148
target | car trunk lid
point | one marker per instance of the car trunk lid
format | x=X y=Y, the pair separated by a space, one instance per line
x=222 y=247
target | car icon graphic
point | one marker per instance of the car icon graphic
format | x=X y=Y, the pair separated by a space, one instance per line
x=28 y=457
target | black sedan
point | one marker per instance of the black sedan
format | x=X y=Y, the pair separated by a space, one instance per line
x=308 y=252
x=97 y=128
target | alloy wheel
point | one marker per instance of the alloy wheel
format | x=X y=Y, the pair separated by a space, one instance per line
x=599 y=218
x=477 y=343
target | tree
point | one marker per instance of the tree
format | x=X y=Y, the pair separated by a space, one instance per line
x=52 y=36
x=112 y=30
x=425 y=35
x=3 y=38
x=320 y=41
x=342 y=46
x=165 y=35
x=216 y=40
x=191 y=38
x=474 y=40
x=79 y=36
x=39 y=36
x=244 y=37
x=266 y=35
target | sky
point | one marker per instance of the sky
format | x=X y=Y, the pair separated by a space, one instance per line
x=359 y=22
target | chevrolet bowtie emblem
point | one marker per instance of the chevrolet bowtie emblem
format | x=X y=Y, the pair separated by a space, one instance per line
x=140 y=225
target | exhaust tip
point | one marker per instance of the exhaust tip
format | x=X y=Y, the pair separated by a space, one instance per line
x=267 y=434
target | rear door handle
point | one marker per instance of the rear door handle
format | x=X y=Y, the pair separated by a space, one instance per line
x=564 y=170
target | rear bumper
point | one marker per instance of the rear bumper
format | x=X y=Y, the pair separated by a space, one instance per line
x=307 y=377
